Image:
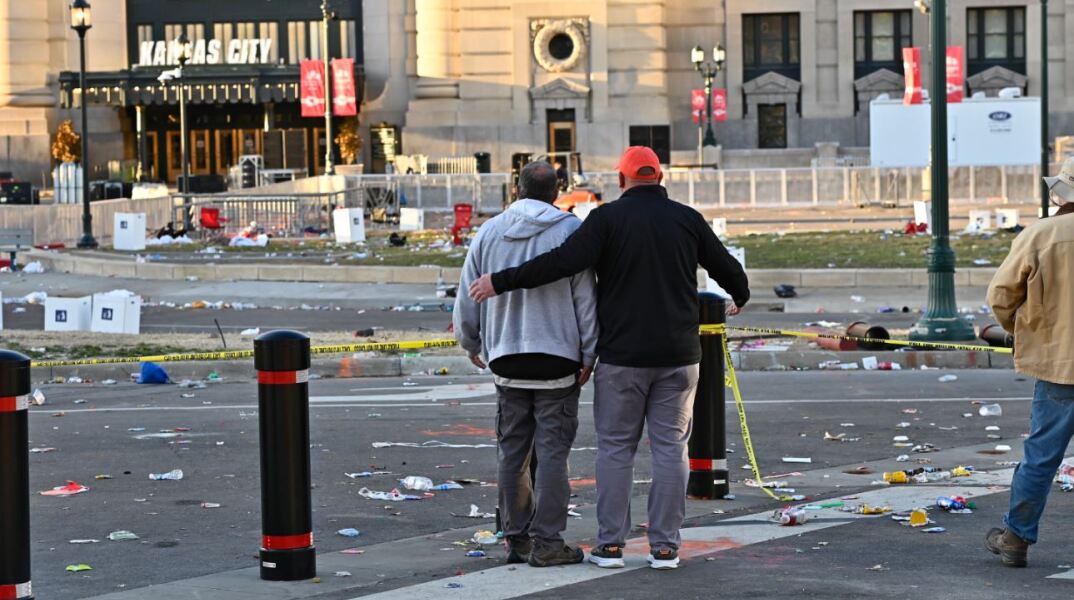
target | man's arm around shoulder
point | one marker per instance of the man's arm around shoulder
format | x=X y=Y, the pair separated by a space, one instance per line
x=721 y=266
x=581 y=251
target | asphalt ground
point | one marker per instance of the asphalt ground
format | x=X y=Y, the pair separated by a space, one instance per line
x=789 y=415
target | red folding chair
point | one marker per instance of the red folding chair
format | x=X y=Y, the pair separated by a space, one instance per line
x=463 y=214
x=211 y=219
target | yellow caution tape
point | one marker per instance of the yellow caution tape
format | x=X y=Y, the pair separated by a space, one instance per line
x=719 y=329
x=731 y=381
x=239 y=354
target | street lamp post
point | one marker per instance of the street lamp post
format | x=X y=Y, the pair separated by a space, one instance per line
x=1044 y=154
x=81 y=22
x=326 y=17
x=708 y=71
x=183 y=57
x=941 y=321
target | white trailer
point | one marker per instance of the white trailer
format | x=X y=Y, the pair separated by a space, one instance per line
x=980 y=132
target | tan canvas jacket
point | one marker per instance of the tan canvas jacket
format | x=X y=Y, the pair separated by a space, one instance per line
x=1032 y=295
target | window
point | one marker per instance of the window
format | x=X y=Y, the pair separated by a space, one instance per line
x=145 y=34
x=879 y=37
x=348 y=39
x=996 y=37
x=770 y=43
x=296 y=42
x=194 y=31
x=771 y=125
x=315 y=40
x=657 y=137
x=271 y=31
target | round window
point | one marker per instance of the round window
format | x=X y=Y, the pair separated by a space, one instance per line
x=561 y=46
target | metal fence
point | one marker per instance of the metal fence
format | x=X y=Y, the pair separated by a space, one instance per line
x=734 y=188
x=62 y=223
x=287 y=215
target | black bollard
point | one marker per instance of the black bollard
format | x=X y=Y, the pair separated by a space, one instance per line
x=282 y=360
x=14 y=477
x=708 y=448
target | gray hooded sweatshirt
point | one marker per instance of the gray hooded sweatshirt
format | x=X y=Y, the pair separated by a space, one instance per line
x=558 y=319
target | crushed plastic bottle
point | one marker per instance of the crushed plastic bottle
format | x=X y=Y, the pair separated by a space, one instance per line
x=418 y=483
x=122 y=535
x=896 y=477
x=991 y=410
x=485 y=538
x=173 y=475
x=792 y=516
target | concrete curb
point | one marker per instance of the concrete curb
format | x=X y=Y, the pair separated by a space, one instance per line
x=81 y=264
x=400 y=366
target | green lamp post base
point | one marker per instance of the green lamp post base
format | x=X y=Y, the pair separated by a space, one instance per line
x=941 y=321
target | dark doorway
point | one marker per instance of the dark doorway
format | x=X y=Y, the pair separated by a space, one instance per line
x=561 y=132
x=772 y=125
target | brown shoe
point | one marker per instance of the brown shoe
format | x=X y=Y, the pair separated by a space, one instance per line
x=519 y=549
x=544 y=556
x=1011 y=548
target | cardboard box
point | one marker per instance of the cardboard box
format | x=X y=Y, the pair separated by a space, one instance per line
x=117 y=312
x=68 y=314
x=129 y=231
x=411 y=219
x=349 y=225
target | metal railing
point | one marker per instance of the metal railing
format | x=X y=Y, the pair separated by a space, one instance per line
x=284 y=215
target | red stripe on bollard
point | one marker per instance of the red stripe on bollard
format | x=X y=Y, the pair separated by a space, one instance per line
x=287 y=542
x=701 y=464
x=283 y=377
x=13 y=404
x=16 y=591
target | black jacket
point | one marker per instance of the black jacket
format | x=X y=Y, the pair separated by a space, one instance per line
x=645 y=249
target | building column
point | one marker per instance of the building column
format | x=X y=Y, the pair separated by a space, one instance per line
x=437 y=53
x=143 y=153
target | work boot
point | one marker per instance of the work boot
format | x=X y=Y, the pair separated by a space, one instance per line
x=550 y=556
x=519 y=549
x=1011 y=548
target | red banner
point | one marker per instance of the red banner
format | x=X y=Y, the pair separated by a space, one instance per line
x=719 y=105
x=911 y=65
x=954 y=73
x=697 y=105
x=312 y=83
x=344 y=99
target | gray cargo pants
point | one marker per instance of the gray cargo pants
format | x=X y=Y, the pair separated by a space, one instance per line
x=543 y=422
x=626 y=399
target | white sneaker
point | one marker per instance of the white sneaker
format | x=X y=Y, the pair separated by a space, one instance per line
x=607 y=557
x=663 y=559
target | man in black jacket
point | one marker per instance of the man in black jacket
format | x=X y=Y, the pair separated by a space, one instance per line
x=645 y=249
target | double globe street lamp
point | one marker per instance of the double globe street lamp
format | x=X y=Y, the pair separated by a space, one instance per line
x=708 y=71
x=82 y=22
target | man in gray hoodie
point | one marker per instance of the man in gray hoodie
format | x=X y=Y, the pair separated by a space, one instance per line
x=540 y=345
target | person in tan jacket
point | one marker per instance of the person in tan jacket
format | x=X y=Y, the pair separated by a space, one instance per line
x=1032 y=295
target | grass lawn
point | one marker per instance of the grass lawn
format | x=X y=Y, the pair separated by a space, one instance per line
x=835 y=250
x=864 y=249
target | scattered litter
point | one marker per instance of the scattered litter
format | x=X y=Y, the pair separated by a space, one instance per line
x=253 y=331
x=210 y=505
x=900 y=438
x=453 y=585
x=918 y=518
x=1003 y=448
x=152 y=373
x=122 y=536
x=957 y=505
x=791 y=516
x=484 y=538
x=834 y=438
x=108 y=382
x=934 y=530
x=79 y=568
x=846 y=424
x=102 y=477
x=902 y=425
x=947 y=378
x=475 y=513
x=797 y=459
x=992 y=428
x=342 y=573
x=990 y=410
x=392 y=496
x=349 y=532
x=878 y=568
x=902 y=458
x=961 y=471
x=63 y=491
x=364 y=474
x=785 y=291
x=41 y=450
x=173 y=475
x=909 y=411
x=431 y=444
x=84 y=542
x=862 y=470
x=352 y=551
x=33 y=268
x=476 y=554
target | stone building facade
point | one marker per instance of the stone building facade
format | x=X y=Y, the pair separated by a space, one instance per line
x=462 y=76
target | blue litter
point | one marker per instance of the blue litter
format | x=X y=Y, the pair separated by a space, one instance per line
x=349 y=532
x=153 y=373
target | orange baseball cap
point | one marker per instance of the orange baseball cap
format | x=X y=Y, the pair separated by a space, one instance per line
x=634 y=159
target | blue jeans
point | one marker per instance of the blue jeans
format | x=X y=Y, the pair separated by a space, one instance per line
x=1051 y=427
